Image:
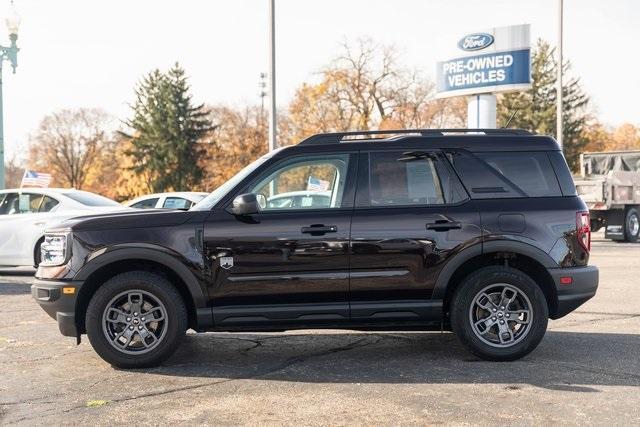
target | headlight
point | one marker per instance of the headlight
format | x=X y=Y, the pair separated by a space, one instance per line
x=54 y=249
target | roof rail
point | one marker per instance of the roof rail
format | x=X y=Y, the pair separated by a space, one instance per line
x=337 y=137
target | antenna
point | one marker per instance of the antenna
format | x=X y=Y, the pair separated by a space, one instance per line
x=511 y=118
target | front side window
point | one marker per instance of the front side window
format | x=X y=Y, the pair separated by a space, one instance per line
x=310 y=182
x=176 y=203
x=409 y=178
x=9 y=204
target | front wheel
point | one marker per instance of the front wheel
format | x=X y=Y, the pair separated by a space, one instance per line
x=136 y=320
x=499 y=313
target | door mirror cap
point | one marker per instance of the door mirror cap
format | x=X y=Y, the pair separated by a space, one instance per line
x=247 y=204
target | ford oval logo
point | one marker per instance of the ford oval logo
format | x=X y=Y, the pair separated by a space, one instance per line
x=475 y=41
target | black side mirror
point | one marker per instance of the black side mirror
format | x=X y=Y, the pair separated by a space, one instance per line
x=246 y=204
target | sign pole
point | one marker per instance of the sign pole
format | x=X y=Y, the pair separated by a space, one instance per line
x=272 y=75
x=481 y=111
x=559 y=77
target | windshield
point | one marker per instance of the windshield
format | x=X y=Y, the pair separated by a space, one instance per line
x=90 y=199
x=209 y=202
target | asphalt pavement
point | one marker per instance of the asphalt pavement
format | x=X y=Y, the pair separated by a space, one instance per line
x=585 y=371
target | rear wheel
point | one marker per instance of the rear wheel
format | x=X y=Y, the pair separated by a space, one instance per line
x=499 y=313
x=632 y=225
x=136 y=320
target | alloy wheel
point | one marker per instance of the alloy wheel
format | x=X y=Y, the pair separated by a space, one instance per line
x=135 y=322
x=501 y=315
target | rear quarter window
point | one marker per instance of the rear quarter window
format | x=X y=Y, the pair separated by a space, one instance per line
x=562 y=172
x=507 y=174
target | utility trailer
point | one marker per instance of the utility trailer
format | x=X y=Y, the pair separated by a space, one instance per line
x=609 y=183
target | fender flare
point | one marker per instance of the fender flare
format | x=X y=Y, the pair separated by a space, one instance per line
x=442 y=282
x=158 y=255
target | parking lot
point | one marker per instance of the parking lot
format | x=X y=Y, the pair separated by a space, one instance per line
x=586 y=371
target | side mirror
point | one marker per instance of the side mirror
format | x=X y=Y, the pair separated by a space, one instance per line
x=246 y=204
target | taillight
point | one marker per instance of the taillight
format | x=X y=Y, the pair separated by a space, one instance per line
x=583 y=228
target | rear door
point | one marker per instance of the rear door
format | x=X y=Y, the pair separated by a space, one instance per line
x=411 y=216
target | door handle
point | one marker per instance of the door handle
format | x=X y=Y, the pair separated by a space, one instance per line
x=319 y=229
x=443 y=225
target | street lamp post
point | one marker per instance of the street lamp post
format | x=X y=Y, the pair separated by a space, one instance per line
x=9 y=54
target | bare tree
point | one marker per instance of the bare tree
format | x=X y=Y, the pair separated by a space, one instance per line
x=365 y=88
x=68 y=143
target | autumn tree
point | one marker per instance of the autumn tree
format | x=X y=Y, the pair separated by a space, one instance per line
x=237 y=137
x=68 y=143
x=13 y=173
x=365 y=88
x=626 y=137
x=537 y=106
x=165 y=132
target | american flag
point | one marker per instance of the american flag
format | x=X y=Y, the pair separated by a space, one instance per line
x=315 y=184
x=35 y=179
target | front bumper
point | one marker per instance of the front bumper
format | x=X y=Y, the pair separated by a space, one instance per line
x=583 y=286
x=58 y=299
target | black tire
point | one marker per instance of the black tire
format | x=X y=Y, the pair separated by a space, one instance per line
x=151 y=286
x=37 y=254
x=463 y=308
x=631 y=225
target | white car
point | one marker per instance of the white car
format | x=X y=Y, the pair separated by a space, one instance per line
x=300 y=199
x=26 y=213
x=176 y=200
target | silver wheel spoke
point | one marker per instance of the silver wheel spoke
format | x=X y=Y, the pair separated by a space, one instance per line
x=505 y=334
x=128 y=329
x=127 y=334
x=514 y=316
x=115 y=315
x=505 y=299
x=486 y=323
x=501 y=315
x=485 y=302
x=145 y=335
x=154 y=315
x=135 y=302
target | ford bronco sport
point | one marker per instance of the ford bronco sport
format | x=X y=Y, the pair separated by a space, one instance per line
x=480 y=232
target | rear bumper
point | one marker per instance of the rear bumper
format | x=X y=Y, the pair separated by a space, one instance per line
x=583 y=286
x=58 y=299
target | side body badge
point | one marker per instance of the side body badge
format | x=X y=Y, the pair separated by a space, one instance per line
x=226 y=262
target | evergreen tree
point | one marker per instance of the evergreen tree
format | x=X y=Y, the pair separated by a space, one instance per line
x=537 y=106
x=166 y=128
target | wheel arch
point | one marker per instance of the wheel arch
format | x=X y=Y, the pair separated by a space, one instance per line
x=103 y=267
x=521 y=256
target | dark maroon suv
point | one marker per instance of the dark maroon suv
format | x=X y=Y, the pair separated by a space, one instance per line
x=480 y=232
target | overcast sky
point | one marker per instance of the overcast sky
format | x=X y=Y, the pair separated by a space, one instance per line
x=90 y=53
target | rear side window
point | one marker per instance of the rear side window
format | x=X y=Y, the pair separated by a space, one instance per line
x=507 y=174
x=90 y=199
x=562 y=172
x=409 y=179
x=146 y=203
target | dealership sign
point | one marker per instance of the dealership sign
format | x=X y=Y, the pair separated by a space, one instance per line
x=497 y=60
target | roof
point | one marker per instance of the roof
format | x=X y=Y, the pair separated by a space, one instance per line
x=48 y=190
x=470 y=139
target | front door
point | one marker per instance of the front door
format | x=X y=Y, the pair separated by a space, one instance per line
x=411 y=215
x=289 y=262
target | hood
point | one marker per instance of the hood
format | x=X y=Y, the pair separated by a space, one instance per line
x=127 y=218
